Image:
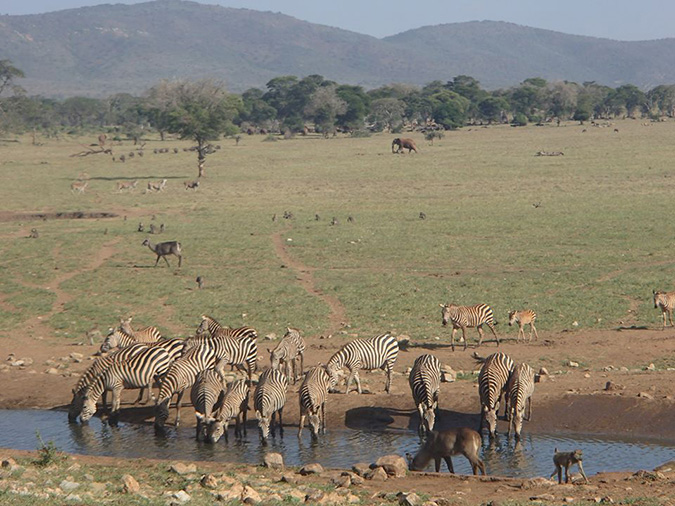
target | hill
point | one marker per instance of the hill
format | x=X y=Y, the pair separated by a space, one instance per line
x=106 y=49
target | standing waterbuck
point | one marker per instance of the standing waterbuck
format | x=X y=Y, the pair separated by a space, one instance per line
x=163 y=249
x=445 y=444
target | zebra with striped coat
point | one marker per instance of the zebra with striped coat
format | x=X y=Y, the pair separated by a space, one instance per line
x=462 y=317
x=522 y=318
x=268 y=400
x=666 y=302
x=234 y=405
x=425 y=383
x=379 y=352
x=492 y=381
x=214 y=329
x=91 y=374
x=520 y=389
x=143 y=335
x=139 y=371
x=313 y=394
x=181 y=375
x=287 y=352
x=206 y=395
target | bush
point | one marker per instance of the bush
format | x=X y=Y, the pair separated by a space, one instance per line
x=361 y=133
x=48 y=453
x=270 y=138
x=519 y=120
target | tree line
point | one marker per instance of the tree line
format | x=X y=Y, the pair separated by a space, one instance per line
x=203 y=110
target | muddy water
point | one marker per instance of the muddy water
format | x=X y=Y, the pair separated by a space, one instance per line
x=339 y=448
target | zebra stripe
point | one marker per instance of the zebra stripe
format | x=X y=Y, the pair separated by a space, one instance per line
x=520 y=389
x=229 y=349
x=492 y=380
x=379 y=352
x=462 y=317
x=181 y=375
x=425 y=383
x=137 y=372
x=522 y=318
x=268 y=399
x=234 y=405
x=205 y=394
x=300 y=345
x=117 y=338
x=215 y=328
x=666 y=302
x=90 y=375
x=313 y=394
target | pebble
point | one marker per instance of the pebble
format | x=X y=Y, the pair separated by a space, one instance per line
x=68 y=486
x=180 y=468
x=181 y=496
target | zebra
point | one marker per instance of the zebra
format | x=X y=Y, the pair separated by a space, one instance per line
x=206 y=395
x=181 y=375
x=268 y=399
x=215 y=328
x=519 y=390
x=492 y=380
x=425 y=383
x=137 y=372
x=468 y=316
x=234 y=405
x=313 y=394
x=287 y=351
x=522 y=318
x=379 y=352
x=91 y=374
x=666 y=302
x=144 y=335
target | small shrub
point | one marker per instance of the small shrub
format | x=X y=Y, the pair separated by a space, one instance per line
x=519 y=120
x=270 y=138
x=361 y=133
x=48 y=453
x=434 y=134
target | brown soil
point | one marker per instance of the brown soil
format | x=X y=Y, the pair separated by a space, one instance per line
x=569 y=399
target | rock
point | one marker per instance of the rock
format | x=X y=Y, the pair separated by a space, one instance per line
x=273 y=460
x=448 y=376
x=394 y=465
x=289 y=478
x=52 y=370
x=231 y=494
x=666 y=467
x=572 y=364
x=354 y=478
x=274 y=499
x=311 y=469
x=587 y=375
x=650 y=367
x=314 y=496
x=181 y=496
x=77 y=357
x=645 y=395
x=250 y=496
x=180 y=468
x=130 y=485
x=8 y=463
x=343 y=481
x=352 y=499
x=361 y=468
x=543 y=371
x=68 y=486
x=73 y=498
x=331 y=498
x=411 y=499
x=209 y=481
x=542 y=497
x=568 y=499
x=610 y=386
x=534 y=483
x=271 y=337
x=377 y=474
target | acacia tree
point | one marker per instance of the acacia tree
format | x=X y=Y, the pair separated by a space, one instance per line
x=198 y=110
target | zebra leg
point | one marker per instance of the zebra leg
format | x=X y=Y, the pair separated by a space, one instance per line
x=529 y=409
x=670 y=316
x=179 y=400
x=323 y=417
x=140 y=396
x=302 y=364
x=301 y=425
x=465 y=339
x=358 y=382
x=452 y=339
x=281 y=423
x=349 y=380
x=389 y=372
x=533 y=329
x=421 y=429
x=492 y=328
x=115 y=408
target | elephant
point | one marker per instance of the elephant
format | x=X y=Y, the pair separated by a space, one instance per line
x=408 y=144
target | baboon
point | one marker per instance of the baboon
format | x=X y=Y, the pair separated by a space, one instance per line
x=101 y=139
x=317 y=217
x=200 y=282
x=350 y=219
x=123 y=158
x=131 y=154
x=153 y=230
x=334 y=221
x=141 y=227
x=34 y=233
x=191 y=185
x=140 y=153
x=237 y=139
x=288 y=215
x=423 y=215
x=567 y=459
x=274 y=217
x=161 y=228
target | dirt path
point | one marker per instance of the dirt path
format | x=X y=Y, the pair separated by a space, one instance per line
x=304 y=275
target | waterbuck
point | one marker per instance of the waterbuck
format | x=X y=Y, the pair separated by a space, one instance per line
x=163 y=249
x=445 y=444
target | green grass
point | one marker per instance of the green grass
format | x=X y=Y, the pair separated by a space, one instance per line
x=591 y=252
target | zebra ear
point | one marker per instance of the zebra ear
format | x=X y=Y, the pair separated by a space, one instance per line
x=257 y=414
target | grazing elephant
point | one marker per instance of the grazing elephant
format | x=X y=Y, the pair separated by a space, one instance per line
x=403 y=144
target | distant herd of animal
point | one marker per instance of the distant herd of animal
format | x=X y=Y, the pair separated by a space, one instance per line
x=138 y=358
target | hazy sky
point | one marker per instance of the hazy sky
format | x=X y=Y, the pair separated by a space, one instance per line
x=614 y=19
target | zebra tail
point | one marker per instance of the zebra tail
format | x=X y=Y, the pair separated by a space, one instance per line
x=478 y=358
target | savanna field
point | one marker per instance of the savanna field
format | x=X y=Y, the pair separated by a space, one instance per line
x=582 y=239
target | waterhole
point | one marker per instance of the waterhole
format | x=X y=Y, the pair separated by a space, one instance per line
x=337 y=449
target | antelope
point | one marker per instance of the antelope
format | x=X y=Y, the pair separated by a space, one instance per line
x=163 y=249
x=128 y=185
x=445 y=444
x=78 y=186
x=158 y=187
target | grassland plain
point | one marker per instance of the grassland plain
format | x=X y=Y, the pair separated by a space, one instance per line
x=581 y=238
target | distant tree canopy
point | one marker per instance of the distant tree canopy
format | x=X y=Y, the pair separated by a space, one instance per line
x=203 y=110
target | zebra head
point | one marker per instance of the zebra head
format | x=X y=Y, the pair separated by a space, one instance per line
x=491 y=419
x=429 y=418
x=264 y=426
x=517 y=420
x=203 y=326
x=111 y=341
x=161 y=413
x=657 y=298
x=315 y=424
x=332 y=371
x=75 y=407
x=275 y=358
x=512 y=317
x=88 y=408
x=215 y=431
x=445 y=314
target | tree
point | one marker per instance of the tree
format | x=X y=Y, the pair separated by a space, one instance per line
x=357 y=102
x=387 y=113
x=324 y=106
x=8 y=73
x=449 y=109
x=198 y=110
x=492 y=108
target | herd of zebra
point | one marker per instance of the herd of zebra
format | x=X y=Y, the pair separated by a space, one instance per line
x=136 y=359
